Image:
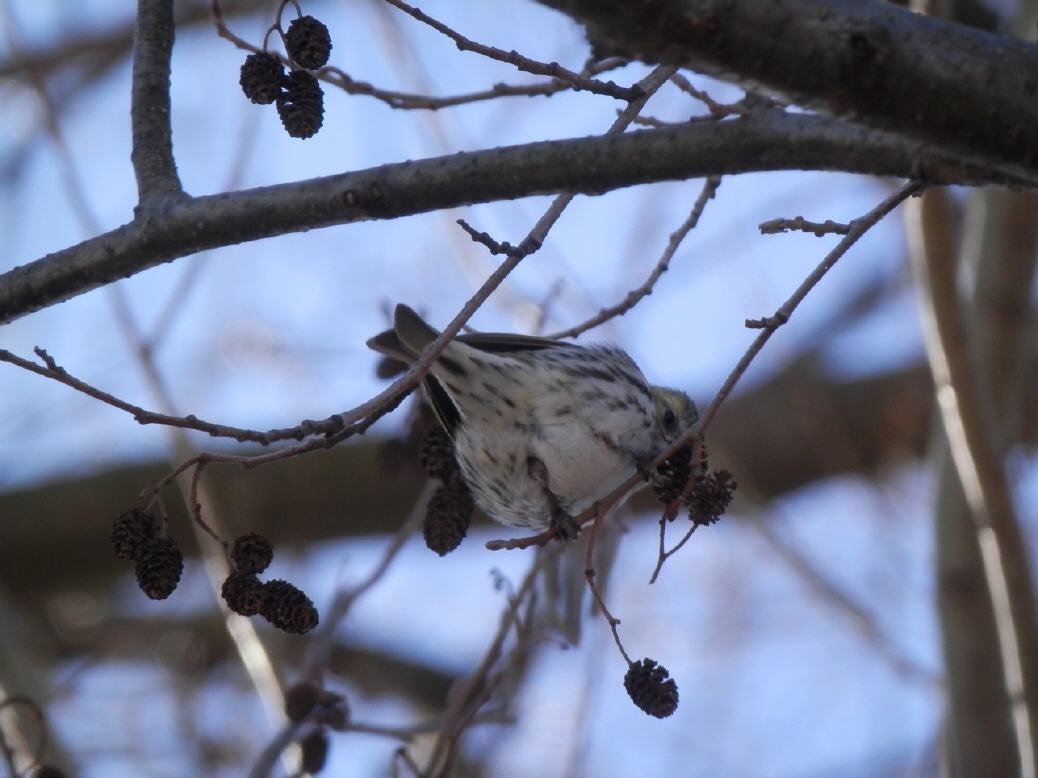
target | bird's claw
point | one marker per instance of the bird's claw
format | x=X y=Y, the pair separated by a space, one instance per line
x=563 y=526
x=645 y=468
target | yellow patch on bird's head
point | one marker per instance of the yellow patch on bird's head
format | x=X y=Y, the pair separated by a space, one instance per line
x=675 y=412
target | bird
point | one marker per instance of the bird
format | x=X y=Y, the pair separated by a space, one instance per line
x=542 y=429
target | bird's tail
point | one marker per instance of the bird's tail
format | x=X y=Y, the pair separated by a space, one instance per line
x=414 y=334
x=408 y=338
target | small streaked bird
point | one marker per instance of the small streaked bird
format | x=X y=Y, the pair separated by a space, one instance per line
x=542 y=429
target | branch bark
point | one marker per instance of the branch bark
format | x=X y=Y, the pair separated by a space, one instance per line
x=999 y=241
x=969 y=92
x=152 y=154
x=769 y=140
x=968 y=421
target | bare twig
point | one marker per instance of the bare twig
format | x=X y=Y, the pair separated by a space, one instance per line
x=272 y=751
x=494 y=247
x=589 y=578
x=652 y=121
x=535 y=238
x=665 y=553
x=552 y=69
x=716 y=109
x=360 y=418
x=468 y=690
x=409 y=101
x=336 y=76
x=662 y=265
x=769 y=326
x=323 y=642
x=52 y=370
x=828 y=227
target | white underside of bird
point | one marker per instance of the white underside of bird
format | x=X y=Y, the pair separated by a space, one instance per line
x=542 y=430
x=498 y=444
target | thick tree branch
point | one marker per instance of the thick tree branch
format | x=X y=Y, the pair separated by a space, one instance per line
x=770 y=140
x=152 y=154
x=966 y=91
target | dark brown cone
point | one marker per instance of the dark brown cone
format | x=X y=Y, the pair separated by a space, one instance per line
x=438 y=454
x=308 y=42
x=243 y=593
x=300 y=700
x=261 y=76
x=132 y=531
x=301 y=104
x=649 y=687
x=251 y=553
x=315 y=751
x=669 y=482
x=159 y=568
x=448 y=515
x=287 y=608
x=711 y=497
x=335 y=711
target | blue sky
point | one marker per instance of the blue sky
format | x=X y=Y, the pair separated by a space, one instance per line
x=273 y=332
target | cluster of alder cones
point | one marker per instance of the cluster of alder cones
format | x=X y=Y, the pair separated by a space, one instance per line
x=159 y=563
x=297 y=93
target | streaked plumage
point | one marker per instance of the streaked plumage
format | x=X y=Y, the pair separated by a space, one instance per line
x=540 y=427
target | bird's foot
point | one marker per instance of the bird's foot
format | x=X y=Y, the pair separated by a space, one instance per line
x=645 y=469
x=563 y=526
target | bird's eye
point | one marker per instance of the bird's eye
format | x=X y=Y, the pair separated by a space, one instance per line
x=669 y=419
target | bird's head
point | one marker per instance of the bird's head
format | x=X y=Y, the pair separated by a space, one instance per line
x=675 y=412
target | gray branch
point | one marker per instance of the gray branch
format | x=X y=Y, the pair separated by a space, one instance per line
x=769 y=140
x=152 y=154
x=972 y=93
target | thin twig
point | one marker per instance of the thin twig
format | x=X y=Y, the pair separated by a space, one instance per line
x=664 y=553
x=321 y=646
x=670 y=511
x=799 y=223
x=552 y=69
x=589 y=578
x=272 y=751
x=410 y=101
x=717 y=110
x=336 y=76
x=466 y=690
x=360 y=418
x=769 y=326
x=495 y=247
x=652 y=121
x=858 y=227
x=141 y=415
x=635 y=295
